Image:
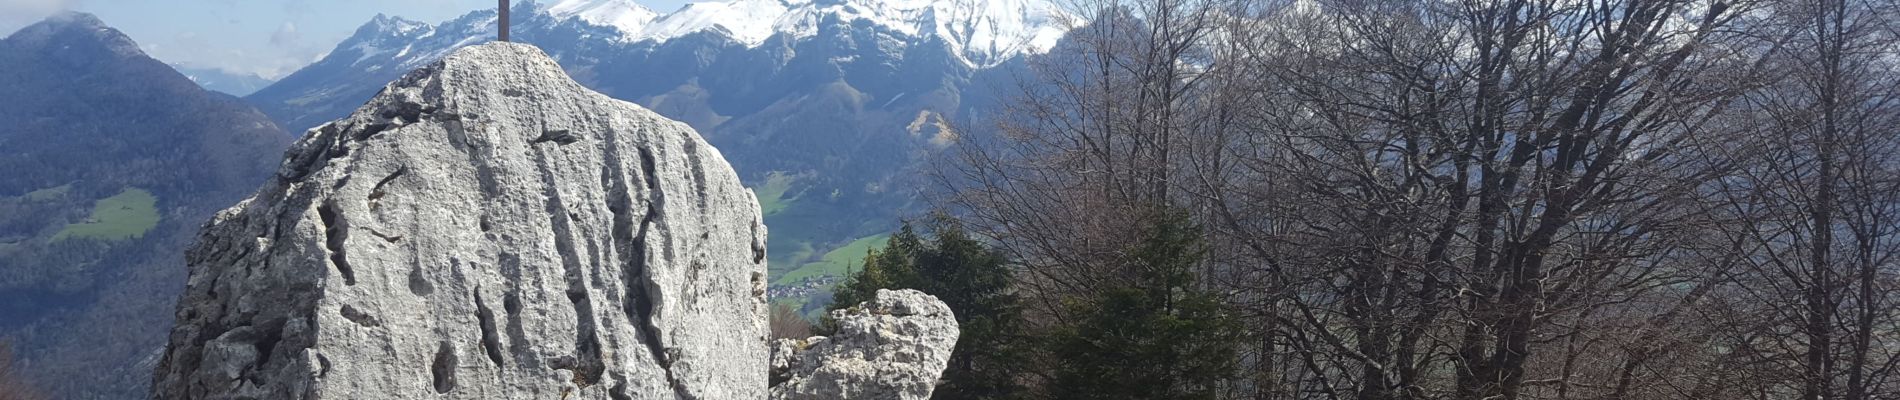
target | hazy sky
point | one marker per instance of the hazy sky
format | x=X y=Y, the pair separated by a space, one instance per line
x=266 y=37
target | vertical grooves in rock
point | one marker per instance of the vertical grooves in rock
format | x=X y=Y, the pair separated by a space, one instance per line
x=625 y=241
x=491 y=341
x=442 y=371
x=335 y=234
x=587 y=364
x=640 y=305
x=691 y=149
x=629 y=245
x=510 y=266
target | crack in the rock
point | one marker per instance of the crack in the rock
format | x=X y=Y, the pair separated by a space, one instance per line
x=407 y=112
x=558 y=136
x=376 y=194
x=267 y=337
x=491 y=341
x=372 y=129
x=386 y=238
x=359 y=317
x=336 y=233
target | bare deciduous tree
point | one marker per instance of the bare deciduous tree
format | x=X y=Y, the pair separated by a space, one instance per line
x=1509 y=199
x=1818 y=207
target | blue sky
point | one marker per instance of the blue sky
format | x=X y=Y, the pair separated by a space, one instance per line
x=267 y=37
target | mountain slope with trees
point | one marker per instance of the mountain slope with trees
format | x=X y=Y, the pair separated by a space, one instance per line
x=112 y=161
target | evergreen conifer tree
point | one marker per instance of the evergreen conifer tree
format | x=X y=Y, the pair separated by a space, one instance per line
x=1156 y=337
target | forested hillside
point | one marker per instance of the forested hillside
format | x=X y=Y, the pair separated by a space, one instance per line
x=112 y=161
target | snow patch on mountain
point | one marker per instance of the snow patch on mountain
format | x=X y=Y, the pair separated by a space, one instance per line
x=747 y=21
x=386 y=34
x=625 y=15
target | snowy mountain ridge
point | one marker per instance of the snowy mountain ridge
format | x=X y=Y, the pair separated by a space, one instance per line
x=982 y=32
x=625 y=15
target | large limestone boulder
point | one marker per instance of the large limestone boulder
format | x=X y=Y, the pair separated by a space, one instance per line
x=893 y=347
x=485 y=228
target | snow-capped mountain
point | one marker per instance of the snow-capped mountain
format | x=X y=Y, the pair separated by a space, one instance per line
x=972 y=34
x=826 y=105
x=981 y=32
x=624 y=15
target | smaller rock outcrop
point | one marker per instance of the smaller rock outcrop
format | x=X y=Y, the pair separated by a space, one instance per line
x=893 y=347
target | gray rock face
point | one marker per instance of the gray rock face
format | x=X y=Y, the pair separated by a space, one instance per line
x=894 y=347
x=485 y=228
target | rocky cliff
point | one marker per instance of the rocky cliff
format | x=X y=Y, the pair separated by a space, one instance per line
x=484 y=228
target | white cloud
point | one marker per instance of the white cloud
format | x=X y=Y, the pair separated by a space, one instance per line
x=41 y=6
x=286 y=35
x=16 y=14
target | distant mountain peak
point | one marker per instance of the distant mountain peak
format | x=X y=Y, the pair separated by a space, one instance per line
x=71 y=25
x=73 y=20
x=385 y=24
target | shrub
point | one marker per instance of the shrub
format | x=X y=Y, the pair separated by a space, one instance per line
x=785 y=323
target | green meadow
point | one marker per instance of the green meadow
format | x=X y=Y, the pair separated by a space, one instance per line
x=836 y=262
x=772 y=194
x=127 y=215
x=48 y=194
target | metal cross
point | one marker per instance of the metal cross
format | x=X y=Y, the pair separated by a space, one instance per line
x=504 y=20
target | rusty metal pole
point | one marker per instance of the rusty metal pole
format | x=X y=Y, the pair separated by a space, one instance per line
x=504 y=20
